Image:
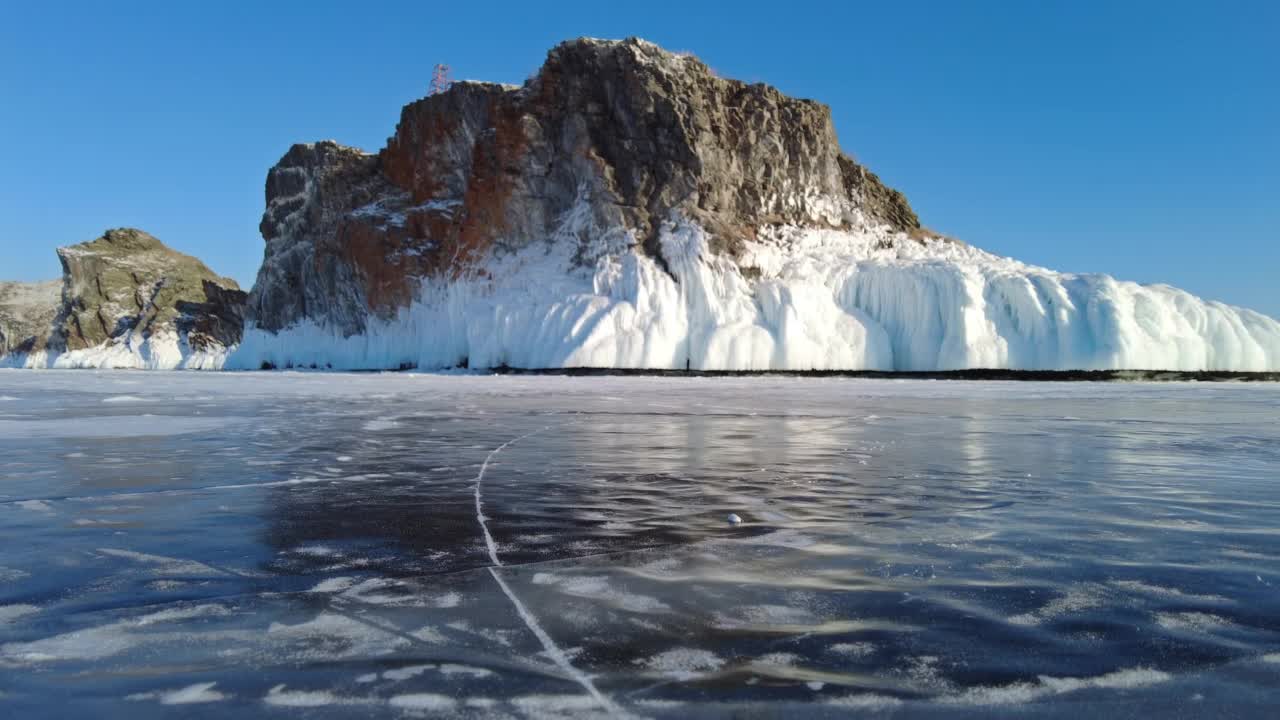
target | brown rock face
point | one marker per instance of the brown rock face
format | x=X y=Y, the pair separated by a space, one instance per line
x=629 y=133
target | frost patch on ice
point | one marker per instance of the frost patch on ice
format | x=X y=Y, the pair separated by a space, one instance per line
x=1192 y=621
x=924 y=671
x=91 y=644
x=429 y=634
x=767 y=615
x=333 y=585
x=92 y=522
x=165 y=565
x=317 y=551
x=423 y=701
x=865 y=701
x=778 y=659
x=598 y=588
x=447 y=600
x=683 y=663
x=329 y=636
x=381 y=591
x=1018 y=693
x=475 y=672
x=855 y=649
x=790 y=539
x=406 y=672
x=1077 y=598
x=540 y=706
x=9 y=613
x=280 y=696
x=662 y=567
x=190 y=695
x=96 y=643
x=187 y=613
x=1166 y=592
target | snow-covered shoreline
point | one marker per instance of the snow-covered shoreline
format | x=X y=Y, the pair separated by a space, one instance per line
x=819 y=300
x=807 y=300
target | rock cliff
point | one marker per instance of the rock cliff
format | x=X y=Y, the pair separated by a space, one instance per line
x=125 y=300
x=623 y=136
x=627 y=208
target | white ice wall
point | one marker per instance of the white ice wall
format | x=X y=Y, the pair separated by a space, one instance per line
x=822 y=300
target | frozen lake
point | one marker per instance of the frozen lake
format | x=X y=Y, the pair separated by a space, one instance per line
x=308 y=544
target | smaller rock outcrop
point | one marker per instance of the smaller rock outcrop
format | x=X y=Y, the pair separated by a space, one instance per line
x=27 y=311
x=125 y=300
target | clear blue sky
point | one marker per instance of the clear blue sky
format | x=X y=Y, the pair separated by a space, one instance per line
x=1140 y=139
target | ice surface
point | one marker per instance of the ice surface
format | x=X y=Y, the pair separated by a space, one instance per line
x=895 y=537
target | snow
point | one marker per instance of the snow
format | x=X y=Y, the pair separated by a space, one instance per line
x=158 y=351
x=823 y=299
x=281 y=696
x=384 y=216
x=10 y=613
x=811 y=299
x=1019 y=693
x=683 y=663
x=315 y=638
x=405 y=673
x=423 y=701
x=192 y=694
x=866 y=701
x=599 y=589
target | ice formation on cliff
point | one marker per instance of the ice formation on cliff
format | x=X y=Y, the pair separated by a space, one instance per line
x=815 y=299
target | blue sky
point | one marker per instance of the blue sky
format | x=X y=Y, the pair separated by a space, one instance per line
x=1140 y=139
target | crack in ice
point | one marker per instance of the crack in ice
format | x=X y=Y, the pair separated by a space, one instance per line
x=555 y=653
x=488 y=539
x=553 y=650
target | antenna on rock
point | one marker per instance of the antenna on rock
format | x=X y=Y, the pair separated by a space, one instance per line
x=440 y=80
